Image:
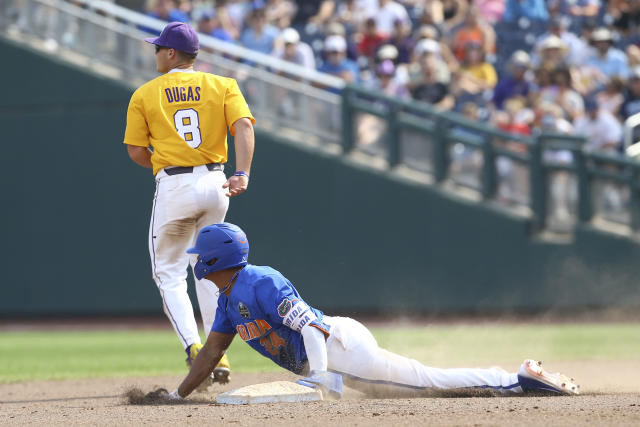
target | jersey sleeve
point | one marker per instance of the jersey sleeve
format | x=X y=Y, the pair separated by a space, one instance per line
x=270 y=292
x=283 y=305
x=235 y=106
x=137 y=131
x=222 y=323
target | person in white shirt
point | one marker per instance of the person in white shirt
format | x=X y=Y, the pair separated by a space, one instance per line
x=602 y=129
x=387 y=14
x=291 y=49
x=605 y=56
x=604 y=133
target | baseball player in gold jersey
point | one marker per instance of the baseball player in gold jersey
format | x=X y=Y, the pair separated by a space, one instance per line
x=184 y=115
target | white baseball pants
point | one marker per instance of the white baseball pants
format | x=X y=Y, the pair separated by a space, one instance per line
x=182 y=205
x=353 y=352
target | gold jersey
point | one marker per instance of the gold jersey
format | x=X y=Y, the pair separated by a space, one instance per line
x=184 y=116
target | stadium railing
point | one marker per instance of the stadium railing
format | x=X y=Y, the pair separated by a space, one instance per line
x=520 y=173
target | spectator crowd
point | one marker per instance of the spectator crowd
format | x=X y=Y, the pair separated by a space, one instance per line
x=568 y=66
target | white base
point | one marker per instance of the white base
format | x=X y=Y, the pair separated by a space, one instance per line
x=278 y=391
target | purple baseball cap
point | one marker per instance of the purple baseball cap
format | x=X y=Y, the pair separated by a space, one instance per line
x=178 y=36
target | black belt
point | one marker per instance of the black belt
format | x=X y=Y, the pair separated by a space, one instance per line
x=189 y=169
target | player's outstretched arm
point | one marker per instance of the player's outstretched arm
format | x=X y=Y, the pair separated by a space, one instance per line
x=316 y=348
x=244 y=141
x=205 y=362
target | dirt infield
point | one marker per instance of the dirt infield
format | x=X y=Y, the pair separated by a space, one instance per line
x=611 y=396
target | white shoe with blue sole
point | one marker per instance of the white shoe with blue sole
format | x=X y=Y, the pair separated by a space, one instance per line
x=534 y=379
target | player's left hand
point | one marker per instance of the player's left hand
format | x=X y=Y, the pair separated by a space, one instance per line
x=236 y=185
x=328 y=382
x=163 y=394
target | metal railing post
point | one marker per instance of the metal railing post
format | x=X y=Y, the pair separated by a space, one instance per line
x=585 y=208
x=538 y=183
x=128 y=44
x=348 y=135
x=28 y=24
x=393 y=141
x=440 y=155
x=304 y=114
x=489 y=179
x=634 y=205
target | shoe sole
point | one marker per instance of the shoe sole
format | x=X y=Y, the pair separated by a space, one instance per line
x=561 y=383
x=221 y=375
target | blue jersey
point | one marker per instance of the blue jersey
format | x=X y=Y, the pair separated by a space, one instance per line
x=266 y=311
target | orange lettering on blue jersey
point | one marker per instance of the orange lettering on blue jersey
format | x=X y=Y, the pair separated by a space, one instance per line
x=264 y=341
x=242 y=331
x=276 y=340
x=263 y=325
x=254 y=332
x=272 y=343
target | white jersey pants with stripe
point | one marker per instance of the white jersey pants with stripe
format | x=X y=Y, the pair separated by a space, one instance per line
x=182 y=205
x=353 y=352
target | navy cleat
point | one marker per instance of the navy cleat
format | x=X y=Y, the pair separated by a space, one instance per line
x=533 y=378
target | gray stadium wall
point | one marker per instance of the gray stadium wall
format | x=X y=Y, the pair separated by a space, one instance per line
x=76 y=213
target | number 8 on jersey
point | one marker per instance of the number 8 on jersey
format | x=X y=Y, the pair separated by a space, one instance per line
x=188 y=126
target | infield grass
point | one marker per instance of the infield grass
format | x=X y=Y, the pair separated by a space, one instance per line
x=34 y=355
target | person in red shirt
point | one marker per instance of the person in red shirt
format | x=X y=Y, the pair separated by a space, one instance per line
x=370 y=39
x=515 y=118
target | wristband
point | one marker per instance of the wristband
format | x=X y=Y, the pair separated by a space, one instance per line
x=241 y=173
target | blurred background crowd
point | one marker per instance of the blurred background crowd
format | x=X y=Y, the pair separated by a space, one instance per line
x=526 y=67
x=569 y=66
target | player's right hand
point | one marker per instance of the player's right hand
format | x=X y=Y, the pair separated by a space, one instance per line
x=236 y=185
x=329 y=382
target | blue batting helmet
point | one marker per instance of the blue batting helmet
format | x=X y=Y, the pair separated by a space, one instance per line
x=219 y=246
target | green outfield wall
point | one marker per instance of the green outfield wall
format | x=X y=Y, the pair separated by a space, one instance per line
x=76 y=209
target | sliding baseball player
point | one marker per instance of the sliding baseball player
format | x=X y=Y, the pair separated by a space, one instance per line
x=264 y=309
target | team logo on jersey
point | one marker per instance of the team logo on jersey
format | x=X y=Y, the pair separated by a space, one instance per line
x=284 y=307
x=244 y=310
x=253 y=329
